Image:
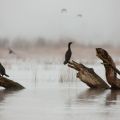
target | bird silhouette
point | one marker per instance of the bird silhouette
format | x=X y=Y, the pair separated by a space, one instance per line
x=63 y=10
x=11 y=51
x=79 y=15
x=2 y=70
x=68 y=54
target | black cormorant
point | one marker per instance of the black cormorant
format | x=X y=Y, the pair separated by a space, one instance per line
x=68 y=54
x=2 y=71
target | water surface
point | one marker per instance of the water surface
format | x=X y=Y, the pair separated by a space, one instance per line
x=53 y=92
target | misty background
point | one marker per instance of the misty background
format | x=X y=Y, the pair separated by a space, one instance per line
x=42 y=21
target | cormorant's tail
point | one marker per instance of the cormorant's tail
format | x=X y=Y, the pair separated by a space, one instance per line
x=65 y=62
x=6 y=75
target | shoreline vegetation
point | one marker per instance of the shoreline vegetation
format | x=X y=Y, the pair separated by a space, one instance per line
x=40 y=47
x=23 y=43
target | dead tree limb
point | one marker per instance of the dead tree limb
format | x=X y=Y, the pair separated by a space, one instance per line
x=88 y=76
x=110 y=68
x=9 y=84
x=114 y=68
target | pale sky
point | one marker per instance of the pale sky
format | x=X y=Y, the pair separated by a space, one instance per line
x=33 y=18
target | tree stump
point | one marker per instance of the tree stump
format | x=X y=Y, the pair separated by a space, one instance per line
x=88 y=76
x=9 y=84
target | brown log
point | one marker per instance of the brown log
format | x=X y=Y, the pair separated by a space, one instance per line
x=88 y=76
x=9 y=84
x=114 y=68
x=110 y=68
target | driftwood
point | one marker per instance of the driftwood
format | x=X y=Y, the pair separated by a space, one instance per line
x=9 y=84
x=88 y=76
x=110 y=68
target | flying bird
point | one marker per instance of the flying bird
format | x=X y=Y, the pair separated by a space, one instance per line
x=79 y=15
x=2 y=71
x=63 y=10
x=68 y=54
x=11 y=51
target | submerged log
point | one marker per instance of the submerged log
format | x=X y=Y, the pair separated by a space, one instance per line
x=9 y=84
x=88 y=76
x=110 y=68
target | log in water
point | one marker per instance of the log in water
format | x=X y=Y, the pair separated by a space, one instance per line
x=10 y=84
x=88 y=76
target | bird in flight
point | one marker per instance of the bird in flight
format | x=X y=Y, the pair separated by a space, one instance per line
x=79 y=15
x=63 y=10
x=11 y=51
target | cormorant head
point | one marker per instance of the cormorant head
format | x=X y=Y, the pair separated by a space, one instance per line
x=69 y=43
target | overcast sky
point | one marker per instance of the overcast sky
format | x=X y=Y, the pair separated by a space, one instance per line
x=100 y=19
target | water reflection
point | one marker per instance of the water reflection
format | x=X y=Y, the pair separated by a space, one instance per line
x=51 y=102
x=90 y=94
x=4 y=93
x=94 y=104
x=100 y=96
x=112 y=97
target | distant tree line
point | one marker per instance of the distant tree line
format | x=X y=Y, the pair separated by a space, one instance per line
x=23 y=43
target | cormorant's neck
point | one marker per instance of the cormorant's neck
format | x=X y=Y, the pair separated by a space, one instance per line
x=69 y=46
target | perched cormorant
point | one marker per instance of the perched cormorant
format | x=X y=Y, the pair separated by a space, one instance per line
x=68 y=54
x=2 y=71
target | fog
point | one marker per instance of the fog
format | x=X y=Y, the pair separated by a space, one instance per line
x=99 y=22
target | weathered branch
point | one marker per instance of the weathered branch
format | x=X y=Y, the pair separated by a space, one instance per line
x=110 y=68
x=88 y=76
x=9 y=84
x=114 y=68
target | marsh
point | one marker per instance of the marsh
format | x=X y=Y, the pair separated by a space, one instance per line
x=53 y=92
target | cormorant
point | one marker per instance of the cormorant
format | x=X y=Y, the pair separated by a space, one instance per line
x=11 y=51
x=2 y=71
x=68 y=54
